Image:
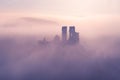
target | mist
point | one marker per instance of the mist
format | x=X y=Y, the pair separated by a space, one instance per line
x=91 y=26
x=22 y=57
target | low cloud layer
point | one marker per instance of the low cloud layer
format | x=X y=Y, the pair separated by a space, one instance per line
x=28 y=22
x=87 y=26
x=25 y=59
x=29 y=25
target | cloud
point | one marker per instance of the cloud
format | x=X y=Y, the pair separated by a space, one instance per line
x=29 y=25
x=29 y=21
x=25 y=59
x=93 y=26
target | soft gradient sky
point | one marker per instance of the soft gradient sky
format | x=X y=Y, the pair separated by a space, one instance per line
x=62 y=7
x=89 y=16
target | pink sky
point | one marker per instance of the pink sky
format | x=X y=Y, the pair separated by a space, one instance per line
x=91 y=17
